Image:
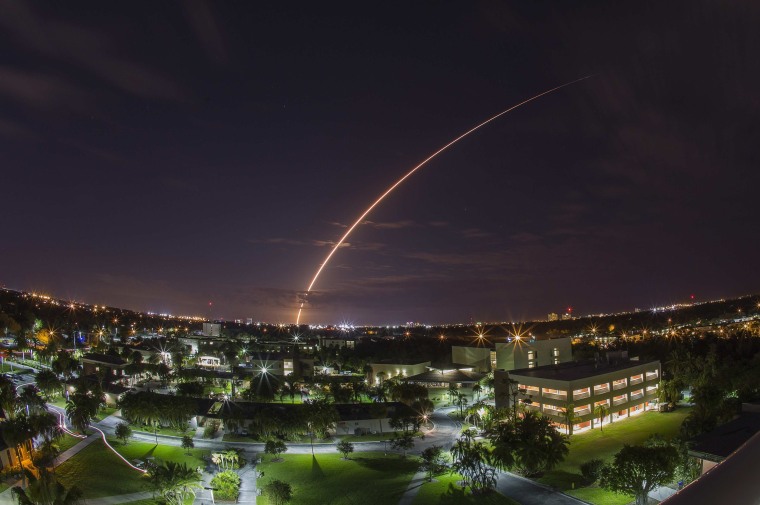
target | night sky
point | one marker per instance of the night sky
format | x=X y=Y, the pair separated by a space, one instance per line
x=161 y=155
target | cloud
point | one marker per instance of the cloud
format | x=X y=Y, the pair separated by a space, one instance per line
x=203 y=23
x=88 y=48
x=476 y=233
x=390 y=225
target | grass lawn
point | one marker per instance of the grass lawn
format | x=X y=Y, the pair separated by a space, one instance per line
x=144 y=450
x=162 y=431
x=104 y=412
x=99 y=472
x=444 y=490
x=6 y=368
x=58 y=401
x=368 y=478
x=595 y=444
x=599 y=496
x=377 y=437
x=66 y=442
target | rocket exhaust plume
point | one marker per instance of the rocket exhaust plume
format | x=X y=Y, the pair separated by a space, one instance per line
x=396 y=184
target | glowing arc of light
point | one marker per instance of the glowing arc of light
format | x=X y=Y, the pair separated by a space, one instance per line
x=359 y=220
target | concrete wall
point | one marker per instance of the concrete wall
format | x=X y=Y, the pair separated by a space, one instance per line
x=525 y=353
x=477 y=357
x=397 y=369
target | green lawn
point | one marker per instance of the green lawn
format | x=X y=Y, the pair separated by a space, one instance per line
x=597 y=444
x=162 y=431
x=144 y=450
x=444 y=491
x=66 y=442
x=377 y=437
x=599 y=496
x=367 y=478
x=99 y=472
x=105 y=412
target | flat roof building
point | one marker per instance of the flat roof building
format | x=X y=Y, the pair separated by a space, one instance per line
x=570 y=393
x=528 y=353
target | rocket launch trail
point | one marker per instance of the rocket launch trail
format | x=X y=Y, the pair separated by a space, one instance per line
x=396 y=184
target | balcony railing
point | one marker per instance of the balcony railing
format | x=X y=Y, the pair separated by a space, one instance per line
x=636 y=396
x=555 y=396
x=620 y=385
x=582 y=412
x=619 y=401
x=652 y=376
x=601 y=391
x=638 y=380
x=580 y=396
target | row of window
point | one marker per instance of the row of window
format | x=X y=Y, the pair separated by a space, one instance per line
x=598 y=389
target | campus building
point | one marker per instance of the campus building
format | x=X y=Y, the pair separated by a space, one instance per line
x=623 y=387
x=480 y=359
x=530 y=353
x=388 y=369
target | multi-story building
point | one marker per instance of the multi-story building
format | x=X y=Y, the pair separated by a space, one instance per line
x=530 y=353
x=570 y=393
x=480 y=359
x=387 y=369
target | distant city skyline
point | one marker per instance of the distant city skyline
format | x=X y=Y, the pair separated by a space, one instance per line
x=212 y=153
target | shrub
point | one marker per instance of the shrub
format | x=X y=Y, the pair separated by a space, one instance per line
x=226 y=486
x=592 y=470
x=211 y=428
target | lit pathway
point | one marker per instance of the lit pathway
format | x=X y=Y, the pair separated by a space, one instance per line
x=414 y=487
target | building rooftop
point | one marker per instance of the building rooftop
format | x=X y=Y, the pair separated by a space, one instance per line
x=576 y=370
x=450 y=376
x=104 y=358
x=404 y=361
x=726 y=438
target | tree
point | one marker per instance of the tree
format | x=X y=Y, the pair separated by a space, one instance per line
x=123 y=431
x=48 y=383
x=190 y=389
x=345 y=447
x=601 y=411
x=403 y=442
x=476 y=390
x=530 y=444
x=227 y=460
x=637 y=470
x=187 y=443
x=319 y=416
x=275 y=448
x=472 y=460
x=278 y=492
x=433 y=461
x=65 y=364
x=46 y=490
x=17 y=433
x=175 y=482
x=81 y=408
x=539 y=446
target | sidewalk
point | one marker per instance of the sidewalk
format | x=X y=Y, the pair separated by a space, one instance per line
x=413 y=488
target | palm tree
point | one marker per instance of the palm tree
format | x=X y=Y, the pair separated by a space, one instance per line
x=175 y=482
x=81 y=408
x=17 y=433
x=601 y=412
x=476 y=390
x=46 y=490
x=48 y=382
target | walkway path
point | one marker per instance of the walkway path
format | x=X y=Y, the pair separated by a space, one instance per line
x=413 y=488
x=122 y=498
x=528 y=492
